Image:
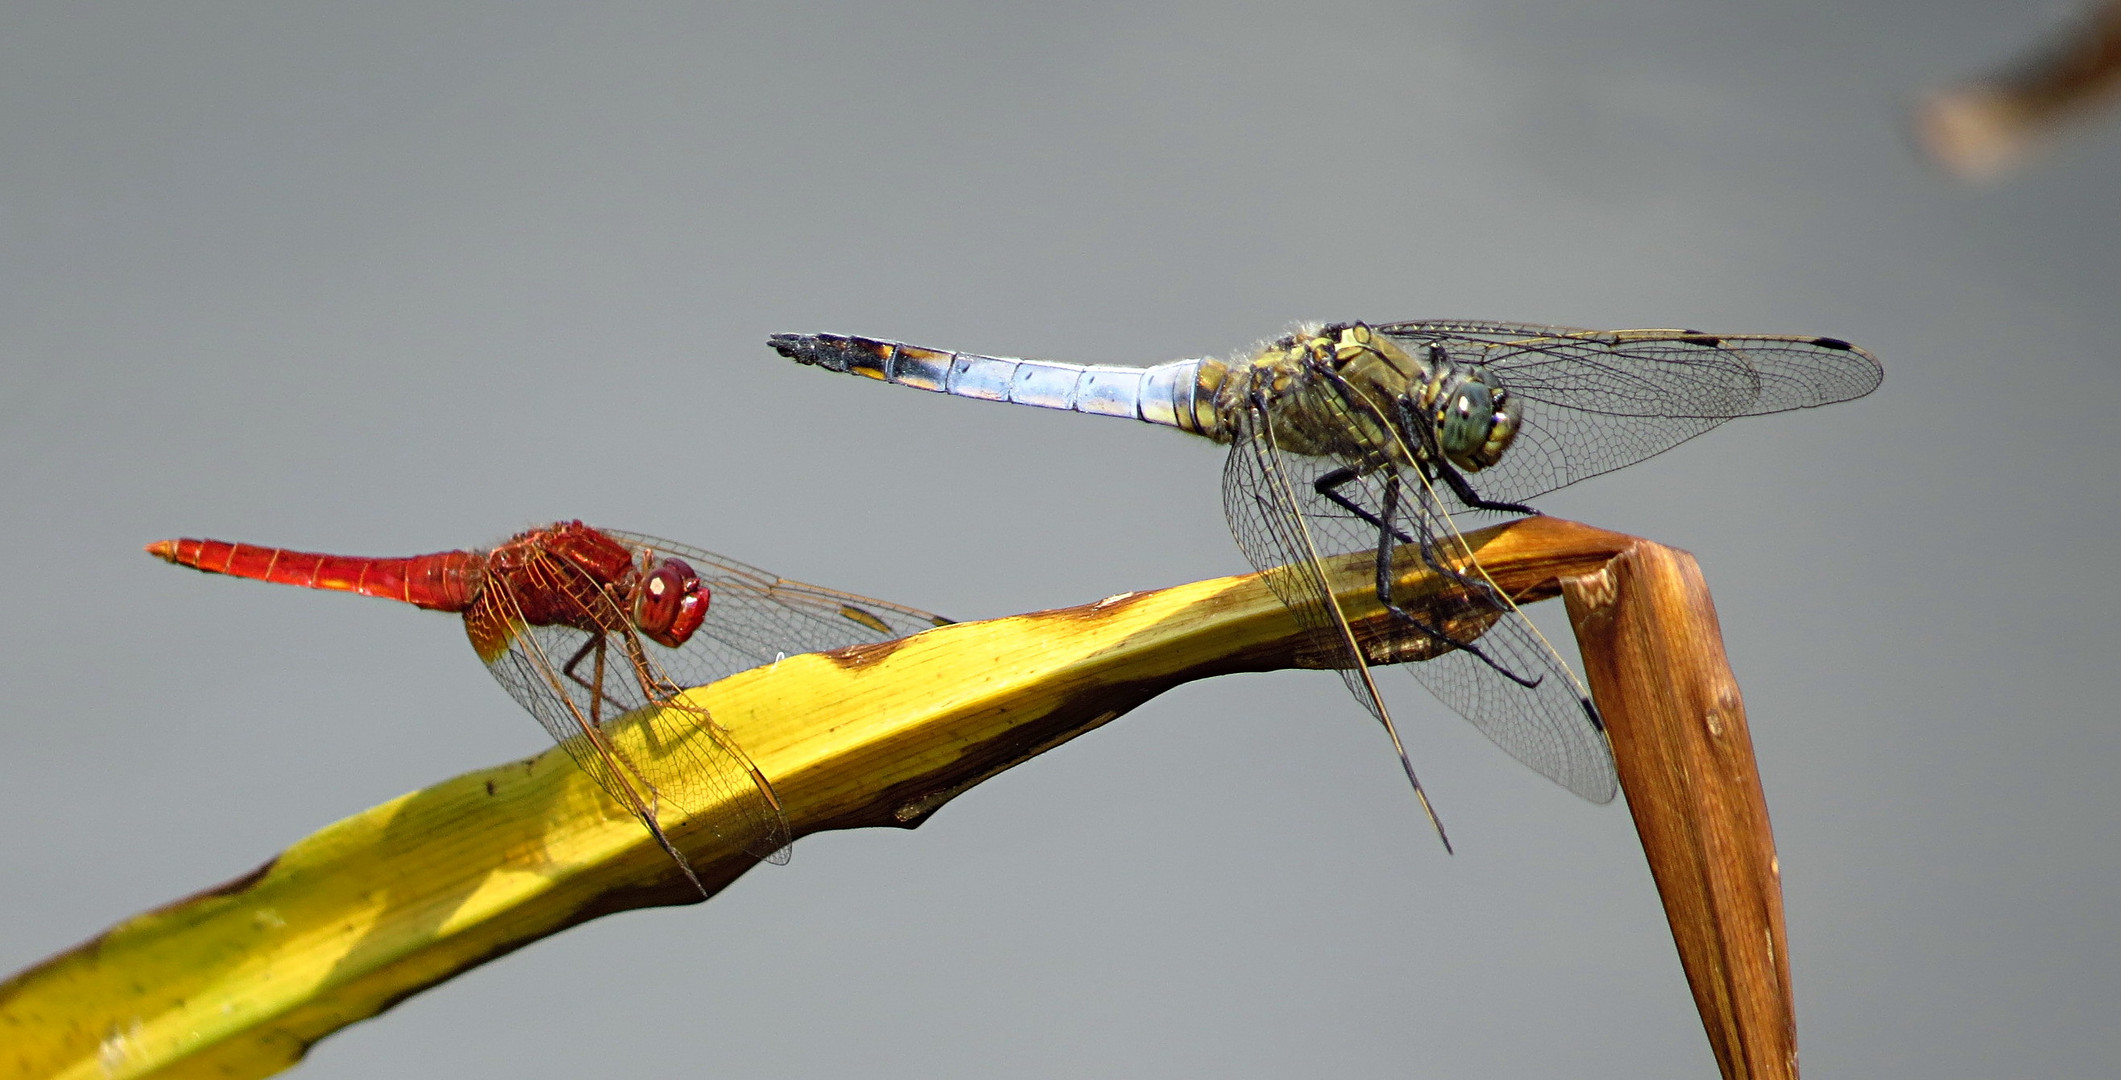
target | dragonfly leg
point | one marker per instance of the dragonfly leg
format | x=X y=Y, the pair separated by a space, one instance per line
x=597 y=696
x=621 y=768
x=1409 y=422
x=1471 y=498
x=1429 y=556
x=652 y=684
x=1329 y=486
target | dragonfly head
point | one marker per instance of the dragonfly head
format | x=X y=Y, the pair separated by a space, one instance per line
x=670 y=603
x=1475 y=418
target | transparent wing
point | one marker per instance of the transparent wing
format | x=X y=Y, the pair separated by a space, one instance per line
x=1478 y=653
x=1265 y=518
x=589 y=685
x=1596 y=400
x=755 y=617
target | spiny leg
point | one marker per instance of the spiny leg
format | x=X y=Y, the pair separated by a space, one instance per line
x=617 y=763
x=653 y=686
x=655 y=795
x=661 y=692
x=1465 y=493
x=1329 y=485
x=1264 y=457
x=1428 y=556
x=1411 y=425
x=597 y=696
x=1429 y=458
x=596 y=703
x=1471 y=498
x=596 y=699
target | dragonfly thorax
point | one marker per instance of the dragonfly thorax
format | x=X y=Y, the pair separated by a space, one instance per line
x=570 y=574
x=1392 y=402
x=1471 y=418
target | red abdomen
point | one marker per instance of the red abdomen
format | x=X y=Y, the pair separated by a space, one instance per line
x=444 y=581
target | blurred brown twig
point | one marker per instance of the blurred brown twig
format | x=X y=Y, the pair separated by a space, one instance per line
x=1981 y=130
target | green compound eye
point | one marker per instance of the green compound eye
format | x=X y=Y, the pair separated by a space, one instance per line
x=1476 y=423
x=1463 y=427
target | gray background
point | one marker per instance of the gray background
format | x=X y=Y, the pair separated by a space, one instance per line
x=390 y=281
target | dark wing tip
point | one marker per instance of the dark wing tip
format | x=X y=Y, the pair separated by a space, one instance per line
x=1864 y=371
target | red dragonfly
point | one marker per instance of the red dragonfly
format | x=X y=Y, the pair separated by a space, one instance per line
x=585 y=626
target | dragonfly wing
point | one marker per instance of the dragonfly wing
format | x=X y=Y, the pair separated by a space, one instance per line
x=1266 y=518
x=1476 y=651
x=517 y=656
x=1593 y=401
x=1260 y=485
x=590 y=685
x=1550 y=724
x=755 y=617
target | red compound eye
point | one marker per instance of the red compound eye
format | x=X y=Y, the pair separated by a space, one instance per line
x=670 y=603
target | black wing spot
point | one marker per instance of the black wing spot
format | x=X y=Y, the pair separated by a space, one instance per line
x=1696 y=337
x=1833 y=343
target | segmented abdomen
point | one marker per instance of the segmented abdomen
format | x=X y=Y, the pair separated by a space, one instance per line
x=440 y=582
x=1172 y=395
